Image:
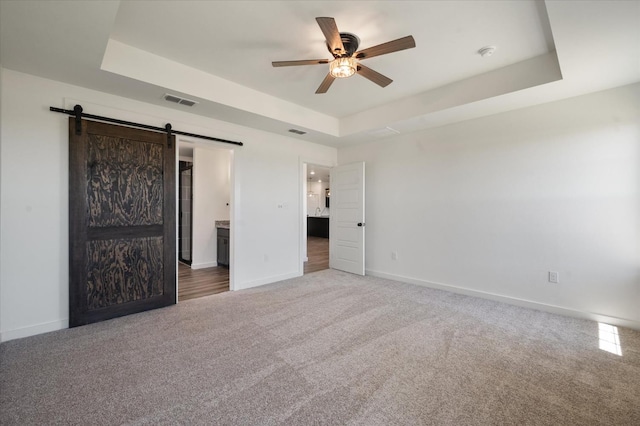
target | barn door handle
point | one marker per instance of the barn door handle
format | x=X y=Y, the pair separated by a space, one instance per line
x=360 y=224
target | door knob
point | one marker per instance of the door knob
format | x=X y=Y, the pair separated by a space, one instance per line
x=360 y=224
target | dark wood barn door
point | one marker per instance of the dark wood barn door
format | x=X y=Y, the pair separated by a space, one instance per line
x=121 y=221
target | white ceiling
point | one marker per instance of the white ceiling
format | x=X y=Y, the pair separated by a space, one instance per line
x=233 y=40
x=219 y=53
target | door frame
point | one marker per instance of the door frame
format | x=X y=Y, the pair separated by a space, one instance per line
x=179 y=212
x=302 y=179
x=234 y=212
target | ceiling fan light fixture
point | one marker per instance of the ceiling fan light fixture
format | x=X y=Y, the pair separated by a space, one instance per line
x=343 y=67
x=344 y=49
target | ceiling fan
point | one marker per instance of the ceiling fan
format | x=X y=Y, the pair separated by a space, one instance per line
x=344 y=48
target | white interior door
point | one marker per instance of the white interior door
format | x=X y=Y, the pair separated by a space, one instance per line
x=346 y=223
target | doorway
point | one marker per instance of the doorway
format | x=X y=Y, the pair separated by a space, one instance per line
x=185 y=207
x=204 y=204
x=317 y=217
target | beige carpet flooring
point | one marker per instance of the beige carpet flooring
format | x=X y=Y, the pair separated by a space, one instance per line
x=326 y=348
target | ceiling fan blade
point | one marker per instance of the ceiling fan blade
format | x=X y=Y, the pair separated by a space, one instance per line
x=303 y=62
x=326 y=83
x=374 y=76
x=382 y=49
x=331 y=34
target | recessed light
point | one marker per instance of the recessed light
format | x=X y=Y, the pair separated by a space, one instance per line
x=319 y=180
x=312 y=172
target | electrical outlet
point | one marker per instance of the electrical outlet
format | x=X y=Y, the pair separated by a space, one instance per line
x=554 y=277
x=394 y=255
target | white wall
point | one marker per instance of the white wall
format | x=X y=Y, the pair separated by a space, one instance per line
x=493 y=204
x=317 y=198
x=313 y=202
x=211 y=198
x=34 y=200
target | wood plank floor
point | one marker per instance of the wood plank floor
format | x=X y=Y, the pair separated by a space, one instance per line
x=318 y=254
x=193 y=283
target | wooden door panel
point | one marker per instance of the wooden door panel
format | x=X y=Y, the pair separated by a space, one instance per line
x=122 y=271
x=125 y=185
x=122 y=221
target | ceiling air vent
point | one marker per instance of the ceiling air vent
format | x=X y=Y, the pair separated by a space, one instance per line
x=297 y=132
x=178 y=100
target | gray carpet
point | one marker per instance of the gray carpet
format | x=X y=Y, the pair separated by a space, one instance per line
x=326 y=348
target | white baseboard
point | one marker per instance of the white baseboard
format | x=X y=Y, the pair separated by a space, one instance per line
x=268 y=280
x=32 y=330
x=203 y=265
x=621 y=322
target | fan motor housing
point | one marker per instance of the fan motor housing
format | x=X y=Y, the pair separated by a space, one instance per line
x=350 y=43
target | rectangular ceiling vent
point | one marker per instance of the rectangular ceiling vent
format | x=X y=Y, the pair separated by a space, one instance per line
x=179 y=100
x=384 y=132
x=297 y=132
